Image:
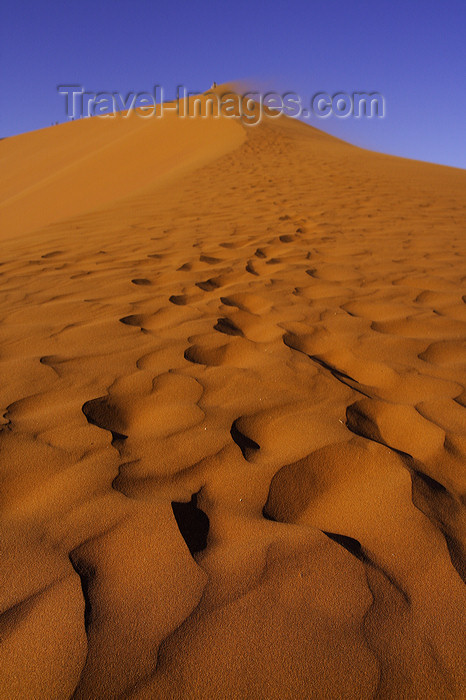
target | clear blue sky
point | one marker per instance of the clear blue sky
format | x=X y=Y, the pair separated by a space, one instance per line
x=412 y=51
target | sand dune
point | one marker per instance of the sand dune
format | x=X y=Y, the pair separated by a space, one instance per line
x=232 y=452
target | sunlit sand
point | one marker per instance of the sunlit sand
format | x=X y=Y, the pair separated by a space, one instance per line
x=234 y=429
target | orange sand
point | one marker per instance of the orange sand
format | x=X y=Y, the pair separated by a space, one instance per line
x=265 y=327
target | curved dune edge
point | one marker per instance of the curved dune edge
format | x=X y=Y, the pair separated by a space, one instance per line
x=80 y=166
x=233 y=442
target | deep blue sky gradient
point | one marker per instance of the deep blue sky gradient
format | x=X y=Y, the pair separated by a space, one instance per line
x=412 y=51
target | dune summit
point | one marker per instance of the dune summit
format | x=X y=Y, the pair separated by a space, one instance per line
x=233 y=394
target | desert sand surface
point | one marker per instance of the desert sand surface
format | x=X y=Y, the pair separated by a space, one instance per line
x=233 y=400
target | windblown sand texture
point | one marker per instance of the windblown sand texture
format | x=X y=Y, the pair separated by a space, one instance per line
x=233 y=371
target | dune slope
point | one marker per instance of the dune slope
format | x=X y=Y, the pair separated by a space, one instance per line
x=234 y=415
